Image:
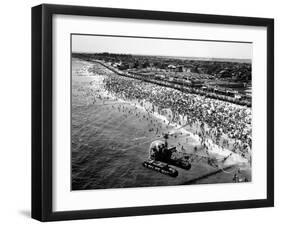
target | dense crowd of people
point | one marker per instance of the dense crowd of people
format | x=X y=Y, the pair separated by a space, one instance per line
x=219 y=120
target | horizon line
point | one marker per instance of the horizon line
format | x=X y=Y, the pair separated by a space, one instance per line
x=249 y=59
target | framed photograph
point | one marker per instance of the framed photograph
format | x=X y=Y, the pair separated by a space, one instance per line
x=147 y=112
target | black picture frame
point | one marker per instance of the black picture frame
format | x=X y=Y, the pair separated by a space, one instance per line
x=42 y=107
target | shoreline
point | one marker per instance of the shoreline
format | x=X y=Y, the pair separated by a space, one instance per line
x=121 y=150
x=213 y=149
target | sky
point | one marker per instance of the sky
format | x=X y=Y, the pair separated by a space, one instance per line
x=162 y=47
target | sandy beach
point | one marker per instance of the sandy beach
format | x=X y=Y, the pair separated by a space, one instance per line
x=111 y=137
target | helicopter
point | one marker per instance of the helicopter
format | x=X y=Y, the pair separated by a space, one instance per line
x=159 y=150
x=163 y=157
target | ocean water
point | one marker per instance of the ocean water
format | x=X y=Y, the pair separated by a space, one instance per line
x=110 y=139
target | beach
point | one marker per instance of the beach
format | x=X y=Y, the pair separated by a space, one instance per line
x=111 y=136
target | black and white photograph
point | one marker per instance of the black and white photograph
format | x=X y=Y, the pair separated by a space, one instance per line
x=156 y=111
x=145 y=112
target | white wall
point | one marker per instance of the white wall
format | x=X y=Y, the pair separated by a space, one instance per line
x=15 y=93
